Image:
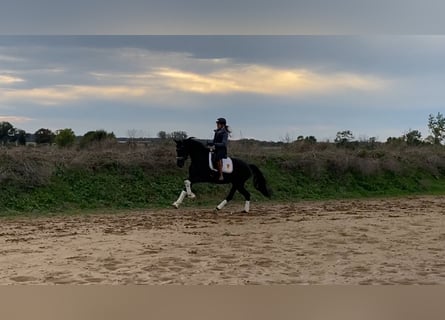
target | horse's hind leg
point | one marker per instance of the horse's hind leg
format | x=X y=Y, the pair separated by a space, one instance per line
x=246 y=195
x=227 y=199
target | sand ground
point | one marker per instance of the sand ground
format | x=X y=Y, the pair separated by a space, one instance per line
x=378 y=241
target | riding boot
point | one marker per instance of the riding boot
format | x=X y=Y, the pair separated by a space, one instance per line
x=220 y=165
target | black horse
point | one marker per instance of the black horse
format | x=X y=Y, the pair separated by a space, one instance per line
x=200 y=171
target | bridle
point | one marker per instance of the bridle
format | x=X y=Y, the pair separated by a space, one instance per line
x=181 y=150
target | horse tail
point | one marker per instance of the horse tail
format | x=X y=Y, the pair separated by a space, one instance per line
x=259 y=181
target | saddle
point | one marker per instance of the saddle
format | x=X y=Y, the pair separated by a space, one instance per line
x=227 y=164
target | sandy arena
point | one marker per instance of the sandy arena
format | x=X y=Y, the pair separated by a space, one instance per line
x=379 y=241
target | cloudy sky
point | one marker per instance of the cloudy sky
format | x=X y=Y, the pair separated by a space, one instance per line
x=268 y=87
x=221 y=16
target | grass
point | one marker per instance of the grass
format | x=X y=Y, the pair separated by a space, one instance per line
x=117 y=177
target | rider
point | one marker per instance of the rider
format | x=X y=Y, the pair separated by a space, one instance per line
x=219 y=143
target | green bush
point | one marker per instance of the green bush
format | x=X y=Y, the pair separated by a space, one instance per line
x=46 y=179
x=65 y=137
x=92 y=138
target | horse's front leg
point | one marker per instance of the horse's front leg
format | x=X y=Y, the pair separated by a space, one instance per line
x=188 y=189
x=178 y=202
x=187 y=192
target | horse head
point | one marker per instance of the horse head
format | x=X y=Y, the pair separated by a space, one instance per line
x=189 y=147
x=181 y=153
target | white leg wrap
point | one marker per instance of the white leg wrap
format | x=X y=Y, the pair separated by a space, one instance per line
x=188 y=188
x=221 y=205
x=178 y=202
x=247 y=207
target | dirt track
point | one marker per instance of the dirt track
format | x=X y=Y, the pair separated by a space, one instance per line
x=388 y=241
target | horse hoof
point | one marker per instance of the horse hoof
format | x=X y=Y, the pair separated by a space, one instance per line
x=191 y=196
x=175 y=205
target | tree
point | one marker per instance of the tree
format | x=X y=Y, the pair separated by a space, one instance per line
x=413 y=137
x=307 y=139
x=21 y=137
x=310 y=139
x=18 y=136
x=44 y=136
x=96 y=136
x=436 y=124
x=135 y=135
x=287 y=138
x=65 y=137
x=395 y=140
x=5 y=132
x=178 y=135
x=162 y=135
x=343 y=137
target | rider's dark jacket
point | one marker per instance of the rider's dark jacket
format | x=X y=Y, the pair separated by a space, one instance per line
x=220 y=142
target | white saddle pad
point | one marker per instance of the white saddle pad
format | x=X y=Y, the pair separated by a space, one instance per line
x=227 y=164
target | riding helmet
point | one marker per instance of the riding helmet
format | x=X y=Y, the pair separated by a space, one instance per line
x=221 y=121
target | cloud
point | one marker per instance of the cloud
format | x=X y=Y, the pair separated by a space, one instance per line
x=14 y=119
x=7 y=79
x=8 y=58
x=363 y=83
x=266 y=80
x=164 y=84
x=222 y=17
x=67 y=93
